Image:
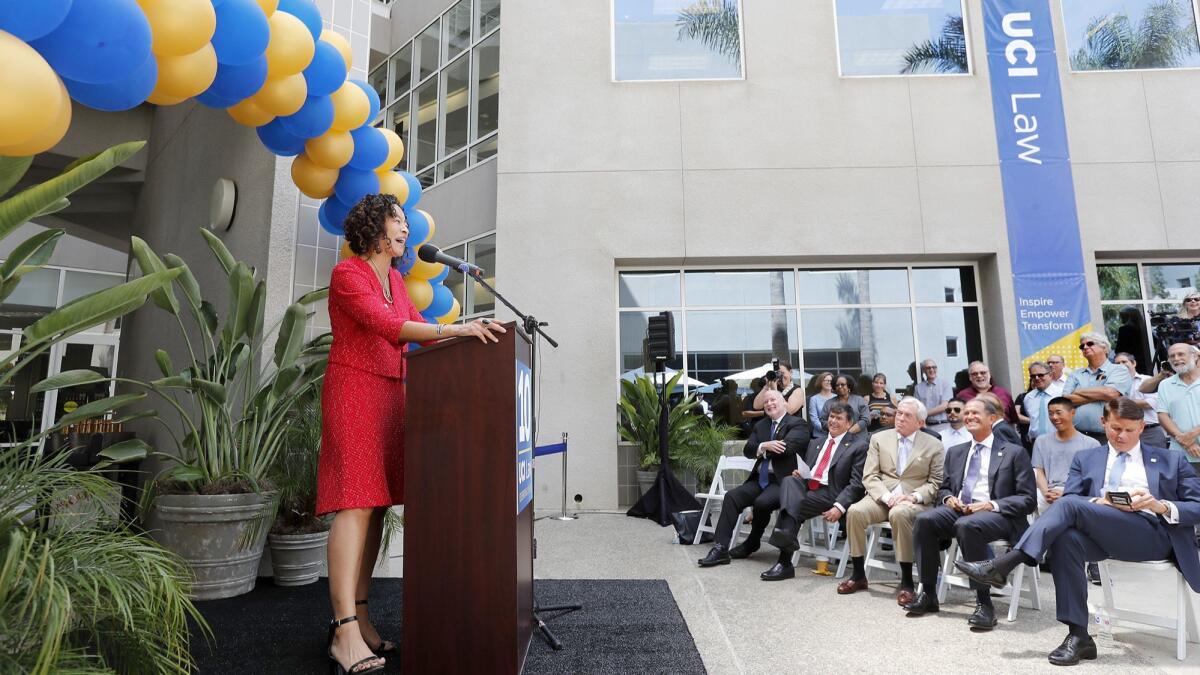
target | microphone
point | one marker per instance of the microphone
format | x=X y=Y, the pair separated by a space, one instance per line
x=432 y=254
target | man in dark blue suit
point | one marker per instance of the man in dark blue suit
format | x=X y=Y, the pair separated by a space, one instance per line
x=1086 y=526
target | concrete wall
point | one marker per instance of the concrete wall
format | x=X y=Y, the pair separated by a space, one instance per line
x=792 y=164
x=464 y=205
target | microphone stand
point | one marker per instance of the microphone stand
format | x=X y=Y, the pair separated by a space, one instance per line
x=533 y=328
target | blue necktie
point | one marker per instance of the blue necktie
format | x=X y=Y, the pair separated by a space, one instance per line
x=764 y=471
x=1043 y=415
x=1118 y=470
x=972 y=476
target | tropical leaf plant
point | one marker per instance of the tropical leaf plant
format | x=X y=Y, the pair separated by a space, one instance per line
x=1164 y=37
x=714 y=23
x=699 y=452
x=946 y=54
x=640 y=408
x=295 y=472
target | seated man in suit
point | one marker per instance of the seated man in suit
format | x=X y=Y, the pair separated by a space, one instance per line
x=836 y=463
x=901 y=476
x=1085 y=525
x=775 y=441
x=988 y=493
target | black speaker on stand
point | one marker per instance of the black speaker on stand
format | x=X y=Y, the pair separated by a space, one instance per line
x=667 y=495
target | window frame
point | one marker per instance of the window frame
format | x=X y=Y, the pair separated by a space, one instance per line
x=1066 y=47
x=837 y=50
x=1143 y=303
x=466 y=244
x=612 y=51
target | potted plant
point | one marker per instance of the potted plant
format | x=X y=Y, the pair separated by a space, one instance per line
x=640 y=408
x=298 y=537
x=224 y=417
x=698 y=454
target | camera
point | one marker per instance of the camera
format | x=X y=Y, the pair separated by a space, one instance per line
x=773 y=374
x=1169 y=328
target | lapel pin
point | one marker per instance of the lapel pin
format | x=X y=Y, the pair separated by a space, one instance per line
x=1153 y=459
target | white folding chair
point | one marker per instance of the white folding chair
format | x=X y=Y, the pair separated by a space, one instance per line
x=1015 y=590
x=818 y=538
x=1184 y=621
x=876 y=538
x=716 y=493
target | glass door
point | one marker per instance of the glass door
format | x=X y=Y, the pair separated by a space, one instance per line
x=85 y=351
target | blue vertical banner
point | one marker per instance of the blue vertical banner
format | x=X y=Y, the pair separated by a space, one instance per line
x=524 y=436
x=1035 y=170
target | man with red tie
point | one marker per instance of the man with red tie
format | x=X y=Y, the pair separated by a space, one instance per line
x=833 y=484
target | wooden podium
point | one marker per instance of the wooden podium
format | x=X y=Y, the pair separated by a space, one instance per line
x=468 y=511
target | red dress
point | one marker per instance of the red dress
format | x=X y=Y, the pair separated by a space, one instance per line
x=362 y=400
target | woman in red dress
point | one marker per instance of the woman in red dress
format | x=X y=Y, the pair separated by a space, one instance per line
x=361 y=470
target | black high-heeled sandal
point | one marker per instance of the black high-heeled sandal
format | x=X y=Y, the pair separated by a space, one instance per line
x=356 y=668
x=385 y=646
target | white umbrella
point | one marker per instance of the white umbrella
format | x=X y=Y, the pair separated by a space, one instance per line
x=661 y=378
x=743 y=378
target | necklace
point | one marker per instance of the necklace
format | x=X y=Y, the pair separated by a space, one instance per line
x=384 y=280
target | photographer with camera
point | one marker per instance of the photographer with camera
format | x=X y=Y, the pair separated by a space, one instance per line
x=779 y=379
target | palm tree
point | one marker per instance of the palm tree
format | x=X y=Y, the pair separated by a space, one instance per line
x=947 y=54
x=715 y=24
x=1162 y=39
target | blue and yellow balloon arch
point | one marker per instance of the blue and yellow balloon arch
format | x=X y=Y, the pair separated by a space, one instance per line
x=268 y=63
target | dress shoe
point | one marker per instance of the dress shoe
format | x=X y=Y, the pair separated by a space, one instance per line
x=984 y=572
x=779 y=572
x=717 y=555
x=924 y=603
x=1093 y=574
x=1073 y=649
x=905 y=596
x=784 y=539
x=851 y=586
x=984 y=617
x=743 y=550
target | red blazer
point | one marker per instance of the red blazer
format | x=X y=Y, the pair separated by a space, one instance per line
x=366 y=330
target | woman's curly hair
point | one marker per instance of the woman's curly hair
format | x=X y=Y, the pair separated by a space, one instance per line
x=366 y=223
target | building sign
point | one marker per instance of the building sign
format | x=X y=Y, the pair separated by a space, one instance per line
x=524 y=436
x=1035 y=170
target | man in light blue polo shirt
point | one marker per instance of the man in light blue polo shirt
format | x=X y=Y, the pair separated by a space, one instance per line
x=1089 y=388
x=1179 y=401
x=1034 y=407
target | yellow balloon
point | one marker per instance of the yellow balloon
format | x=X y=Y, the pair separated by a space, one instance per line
x=420 y=292
x=291 y=47
x=350 y=107
x=395 y=150
x=432 y=226
x=346 y=252
x=247 y=113
x=31 y=98
x=452 y=315
x=424 y=270
x=186 y=76
x=390 y=183
x=313 y=180
x=159 y=98
x=268 y=6
x=340 y=43
x=179 y=27
x=283 y=96
x=50 y=136
x=331 y=149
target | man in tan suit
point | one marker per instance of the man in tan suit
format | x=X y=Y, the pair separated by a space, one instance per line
x=902 y=474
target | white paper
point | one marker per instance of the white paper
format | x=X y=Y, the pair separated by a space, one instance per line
x=802 y=467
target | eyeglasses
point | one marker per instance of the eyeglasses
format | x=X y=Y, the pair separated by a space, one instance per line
x=842 y=384
x=1085 y=345
x=1191 y=299
x=954 y=410
x=929 y=367
x=1038 y=376
x=981 y=372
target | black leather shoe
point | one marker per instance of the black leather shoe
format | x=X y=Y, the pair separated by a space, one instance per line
x=1093 y=574
x=984 y=572
x=1072 y=650
x=717 y=555
x=984 y=617
x=784 y=540
x=925 y=603
x=779 y=572
x=743 y=550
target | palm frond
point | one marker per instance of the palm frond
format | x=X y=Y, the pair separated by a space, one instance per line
x=947 y=54
x=715 y=24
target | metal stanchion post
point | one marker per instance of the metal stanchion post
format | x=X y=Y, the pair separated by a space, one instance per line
x=563 y=512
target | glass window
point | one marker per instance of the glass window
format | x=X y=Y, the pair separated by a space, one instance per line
x=378 y=79
x=489 y=16
x=487 y=86
x=38 y=288
x=1171 y=282
x=97 y=358
x=632 y=330
x=890 y=37
x=859 y=342
x=426 y=133
x=427 y=51
x=853 y=287
x=486 y=149
x=457 y=23
x=456 y=79
x=79 y=284
x=726 y=342
x=648 y=289
x=454 y=165
x=774 y=287
x=1119 y=282
x=401 y=67
x=952 y=284
x=455 y=282
x=676 y=40
x=482 y=252
x=948 y=335
x=401 y=125
x=1130 y=34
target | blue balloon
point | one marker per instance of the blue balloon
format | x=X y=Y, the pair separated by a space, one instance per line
x=443 y=301
x=100 y=41
x=352 y=184
x=312 y=119
x=236 y=83
x=418 y=226
x=279 y=140
x=242 y=31
x=429 y=317
x=372 y=98
x=212 y=100
x=405 y=262
x=326 y=72
x=440 y=276
x=331 y=215
x=307 y=12
x=370 y=148
x=117 y=96
x=414 y=189
x=32 y=19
